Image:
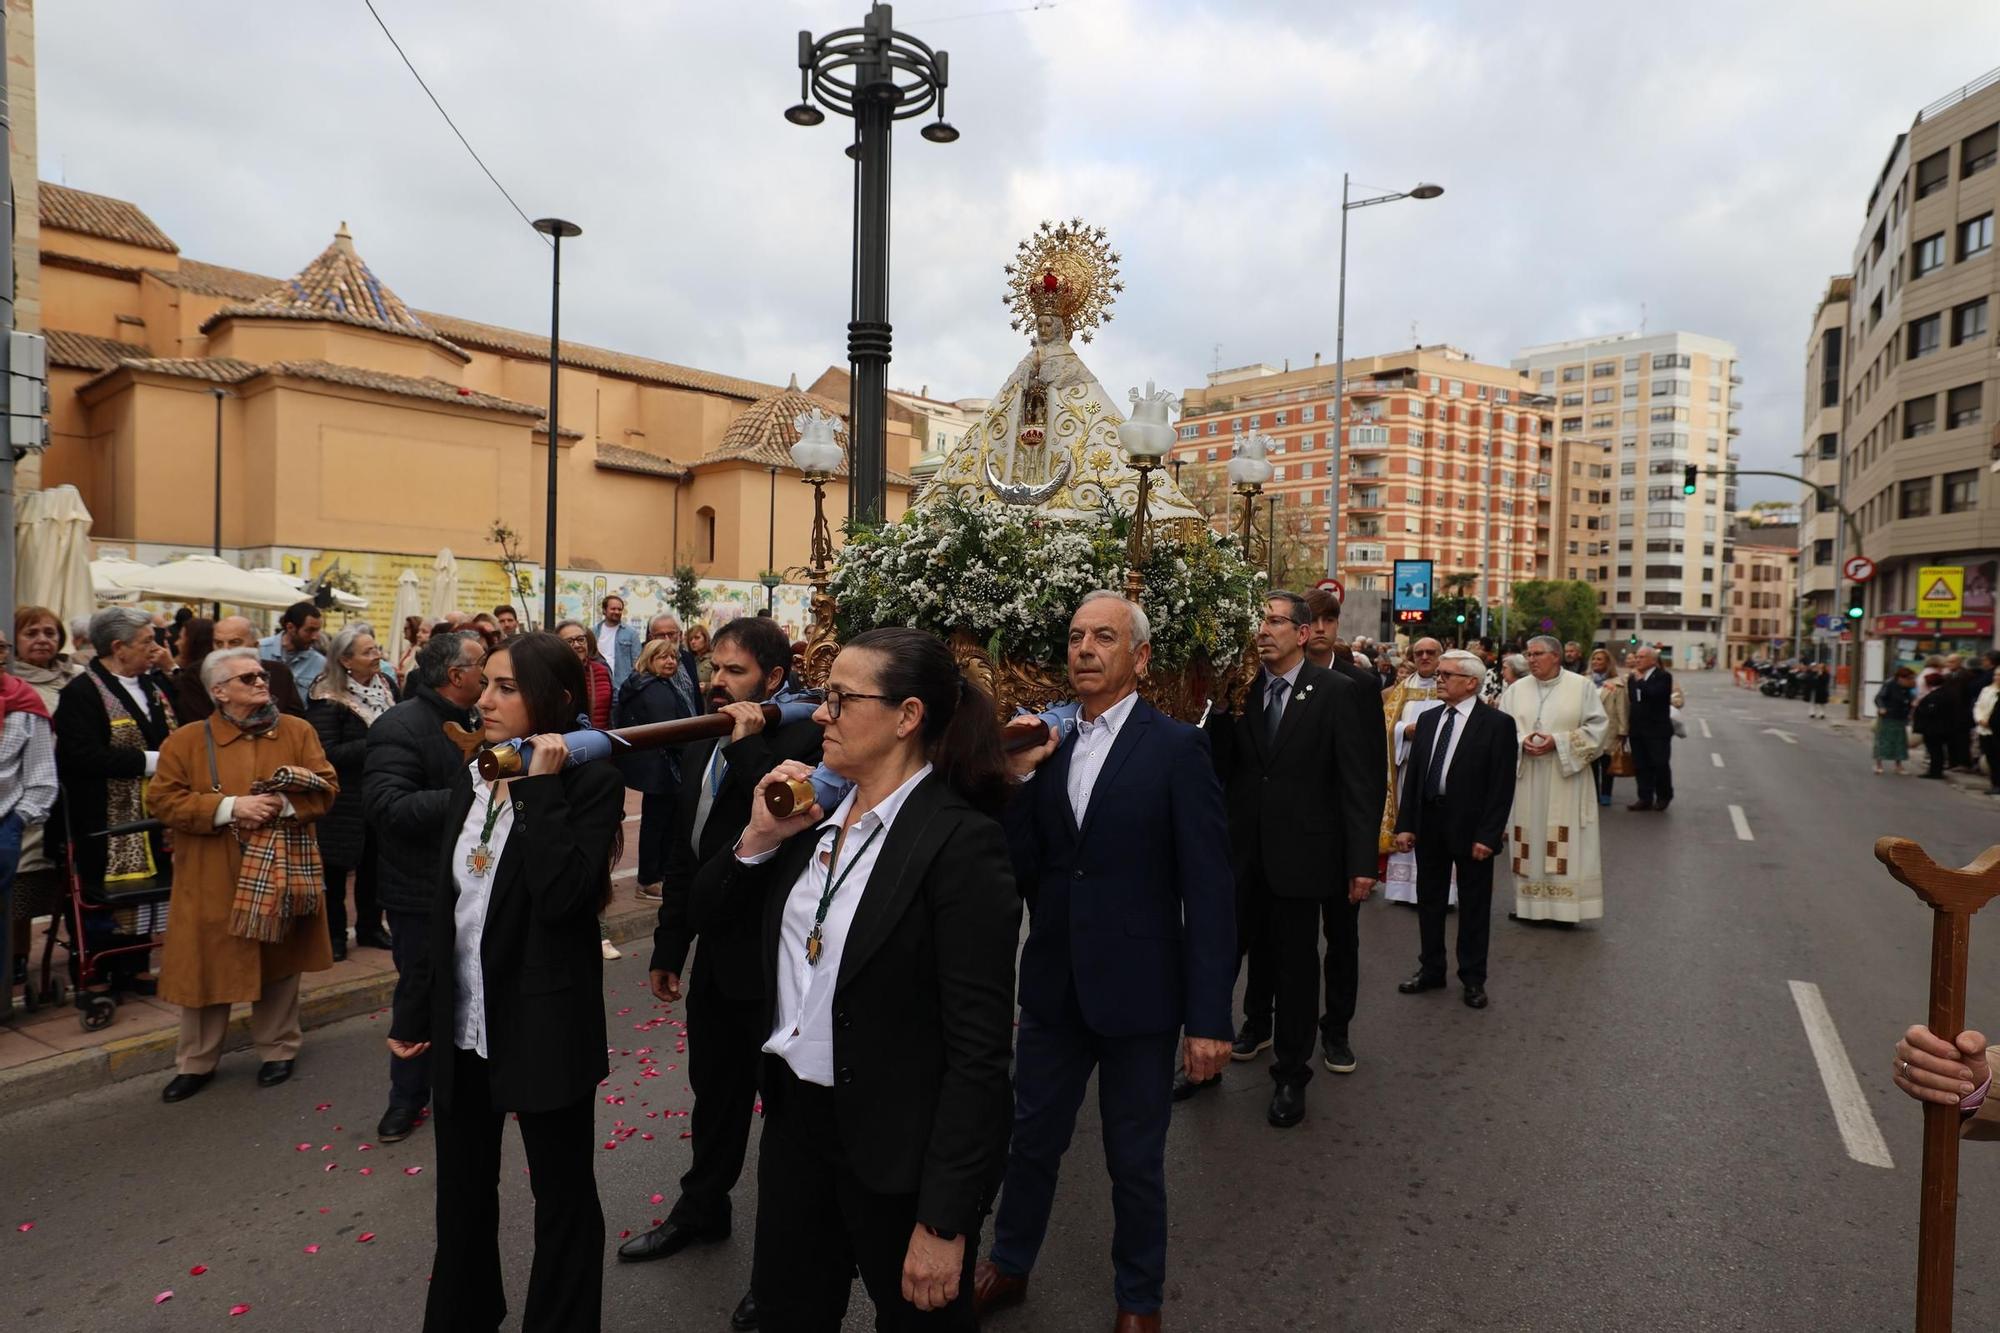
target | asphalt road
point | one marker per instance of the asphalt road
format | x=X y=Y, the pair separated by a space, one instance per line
x=1634 y=1136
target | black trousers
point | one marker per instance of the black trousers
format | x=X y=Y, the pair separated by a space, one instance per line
x=1936 y=750
x=367 y=911
x=1989 y=745
x=725 y=1058
x=817 y=1224
x=1435 y=864
x=409 y=1080
x=1602 y=767
x=1340 y=923
x=566 y=1283
x=1958 y=742
x=1653 y=757
x=656 y=822
x=1287 y=930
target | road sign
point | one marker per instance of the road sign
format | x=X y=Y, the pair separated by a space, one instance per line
x=1940 y=592
x=1411 y=585
x=1332 y=586
x=1858 y=568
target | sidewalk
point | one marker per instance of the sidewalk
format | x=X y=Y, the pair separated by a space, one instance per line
x=48 y=1054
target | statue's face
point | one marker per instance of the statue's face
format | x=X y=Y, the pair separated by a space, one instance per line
x=1048 y=329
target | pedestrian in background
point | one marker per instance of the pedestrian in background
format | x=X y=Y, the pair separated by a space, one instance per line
x=1893 y=703
x=617 y=642
x=350 y=694
x=1989 y=743
x=238 y=632
x=603 y=689
x=1818 y=689
x=698 y=642
x=1617 y=708
x=40 y=660
x=192 y=645
x=27 y=794
x=416 y=633
x=1932 y=718
x=658 y=690
x=1651 y=693
x=296 y=644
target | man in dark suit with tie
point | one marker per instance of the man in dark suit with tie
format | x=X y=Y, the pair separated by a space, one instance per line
x=1302 y=774
x=1652 y=696
x=727 y=1022
x=1458 y=789
x=1118 y=840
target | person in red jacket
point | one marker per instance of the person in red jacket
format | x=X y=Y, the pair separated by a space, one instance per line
x=573 y=633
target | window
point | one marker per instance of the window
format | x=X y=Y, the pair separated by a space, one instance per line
x=1933 y=173
x=1919 y=416
x=1913 y=498
x=1670 y=388
x=1975 y=236
x=1601 y=394
x=1603 y=421
x=1631 y=391
x=1961 y=406
x=1572 y=423
x=1572 y=400
x=1548 y=377
x=1829 y=446
x=1280 y=420
x=1626 y=470
x=1829 y=368
x=1571 y=374
x=1663 y=520
x=1927 y=255
x=1976 y=151
x=1961 y=491
x=1603 y=369
x=1925 y=334
x=1308 y=412
x=1968 y=321
x=704 y=519
x=1672 y=361
x=1823 y=551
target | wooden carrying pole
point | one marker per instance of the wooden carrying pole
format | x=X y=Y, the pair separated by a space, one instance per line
x=1953 y=896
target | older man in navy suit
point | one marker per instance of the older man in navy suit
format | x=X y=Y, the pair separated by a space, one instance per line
x=1121 y=848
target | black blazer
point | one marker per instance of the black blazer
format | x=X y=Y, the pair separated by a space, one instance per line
x=923 y=1008
x=1652 y=704
x=1135 y=911
x=87 y=763
x=543 y=964
x=729 y=960
x=1478 y=789
x=1305 y=814
x=343 y=835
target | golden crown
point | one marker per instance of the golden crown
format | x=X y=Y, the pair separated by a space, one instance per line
x=1065 y=269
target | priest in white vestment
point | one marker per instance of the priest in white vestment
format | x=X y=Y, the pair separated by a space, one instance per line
x=1553 y=840
x=1399 y=874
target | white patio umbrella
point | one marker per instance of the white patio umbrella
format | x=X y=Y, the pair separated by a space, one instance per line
x=343 y=599
x=207 y=578
x=444 y=584
x=409 y=602
x=113 y=578
x=52 y=553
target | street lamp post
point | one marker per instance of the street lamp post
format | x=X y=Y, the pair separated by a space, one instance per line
x=556 y=229
x=771 y=545
x=876 y=76
x=220 y=393
x=1347 y=205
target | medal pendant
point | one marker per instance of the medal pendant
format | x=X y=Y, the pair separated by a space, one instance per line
x=479 y=860
x=813 y=948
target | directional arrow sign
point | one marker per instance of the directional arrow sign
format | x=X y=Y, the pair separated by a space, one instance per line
x=1784 y=736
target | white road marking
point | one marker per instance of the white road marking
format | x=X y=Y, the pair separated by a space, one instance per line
x=1706 y=734
x=1716 y=755
x=1743 y=832
x=1858 y=1130
x=1784 y=736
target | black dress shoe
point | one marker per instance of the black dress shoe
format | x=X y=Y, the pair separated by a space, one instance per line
x=1475 y=997
x=1640 y=805
x=340 y=952
x=1660 y=807
x=1339 y=1055
x=273 y=1072
x=371 y=939
x=1420 y=982
x=184 y=1086
x=1288 y=1105
x=745 y=1314
x=398 y=1123
x=1251 y=1038
x=667 y=1239
x=1185 y=1087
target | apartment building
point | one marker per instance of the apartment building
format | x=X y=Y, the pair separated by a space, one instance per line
x=1764 y=616
x=1446 y=459
x=1650 y=404
x=1822 y=543
x=1918 y=440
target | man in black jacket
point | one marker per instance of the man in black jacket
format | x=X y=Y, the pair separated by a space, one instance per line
x=1302 y=772
x=727 y=1020
x=1458 y=789
x=406 y=798
x=1652 y=729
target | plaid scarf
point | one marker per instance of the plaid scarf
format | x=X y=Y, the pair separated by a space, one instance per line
x=280 y=878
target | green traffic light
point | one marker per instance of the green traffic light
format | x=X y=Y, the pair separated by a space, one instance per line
x=1461 y=617
x=1854 y=613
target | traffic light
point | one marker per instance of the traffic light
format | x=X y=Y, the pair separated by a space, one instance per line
x=1634 y=640
x=1687 y=479
x=1855 y=607
x=1461 y=617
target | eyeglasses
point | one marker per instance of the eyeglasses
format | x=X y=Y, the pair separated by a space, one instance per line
x=249 y=678
x=1423 y=652
x=1282 y=620
x=574 y=639
x=835 y=700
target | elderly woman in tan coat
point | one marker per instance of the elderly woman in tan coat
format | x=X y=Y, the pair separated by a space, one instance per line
x=239 y=791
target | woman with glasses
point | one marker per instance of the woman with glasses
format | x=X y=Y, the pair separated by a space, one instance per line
x=602 y=695
x=510 y=990
x=889 y=927
x=239 y=787
x=344 y=702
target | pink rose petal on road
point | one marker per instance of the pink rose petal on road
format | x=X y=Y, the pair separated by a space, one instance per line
x=364 y=1147
x=364 y=1238
x=367 y=1170
x=25 y=1226
x=164 y=1297
x=322 y=1106
x=413 y=1171
x=333 y=1166
x=303 y=1147
x=312 y=1249
x=197 y=1270
x=239 y=1309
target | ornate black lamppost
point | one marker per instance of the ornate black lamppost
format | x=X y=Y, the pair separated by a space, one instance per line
x=876 y=76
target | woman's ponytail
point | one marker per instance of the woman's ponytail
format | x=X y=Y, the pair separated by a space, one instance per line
x=961 y=728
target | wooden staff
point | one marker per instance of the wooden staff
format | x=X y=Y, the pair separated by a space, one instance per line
x=1953 y=895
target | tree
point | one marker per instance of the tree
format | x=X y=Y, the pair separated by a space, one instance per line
x=512 y=555
x=687 y=594
x=1569 y=606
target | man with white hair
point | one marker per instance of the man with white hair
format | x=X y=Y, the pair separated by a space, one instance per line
x=1457 y=789
x=1560 y=717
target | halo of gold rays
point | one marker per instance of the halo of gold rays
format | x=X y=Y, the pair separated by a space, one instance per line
x=1064 y=269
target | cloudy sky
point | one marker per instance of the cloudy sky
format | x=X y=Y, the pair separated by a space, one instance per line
x=1703 y=166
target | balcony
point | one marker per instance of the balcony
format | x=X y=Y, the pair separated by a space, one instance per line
x=1371 y=470
x=1736 y=377
x=1366 y=498
x=1364 y=527
x=1367 y=555
x=1360 y=438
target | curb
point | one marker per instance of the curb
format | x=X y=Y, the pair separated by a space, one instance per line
x=70 y=1072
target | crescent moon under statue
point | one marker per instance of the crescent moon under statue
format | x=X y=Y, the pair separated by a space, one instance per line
x=1028 y=495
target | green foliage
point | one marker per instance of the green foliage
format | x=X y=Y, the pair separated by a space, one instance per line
x=687 y=594
x=1570 y=603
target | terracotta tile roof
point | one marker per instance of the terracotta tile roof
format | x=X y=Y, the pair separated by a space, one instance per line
x=227 y=370
x=215 y=280
x=619 y=458
x=764 y=433
x=337 y=286
x=493 y=338
x=64 y=209
x=215 y=369
x=86 y=351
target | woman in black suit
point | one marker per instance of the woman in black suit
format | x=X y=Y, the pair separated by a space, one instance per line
x=889 y=934
x=511 y=988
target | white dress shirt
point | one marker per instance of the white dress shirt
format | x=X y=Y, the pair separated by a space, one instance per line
x=803 y=1035
x=1090 y=749
x=469 y=915
x=607 y=642
x=1464 y=709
